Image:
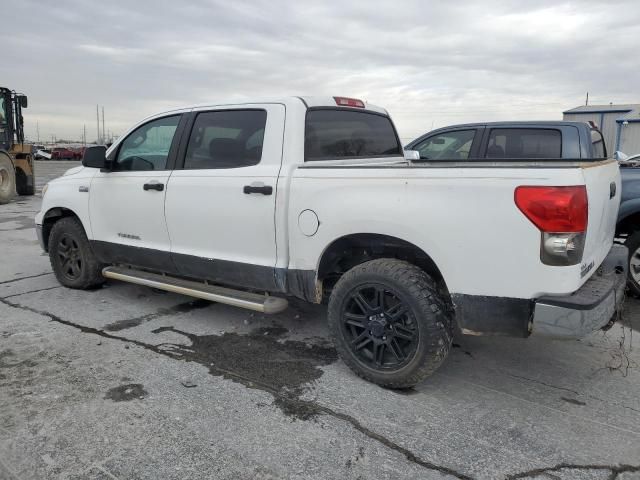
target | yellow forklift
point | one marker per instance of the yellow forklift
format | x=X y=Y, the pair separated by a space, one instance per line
x=16 y=158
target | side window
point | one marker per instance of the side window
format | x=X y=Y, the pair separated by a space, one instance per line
x=147 y=147
x=524 y=143
x=599 y=150
x=3 y=112
x=447 y=146
x=226 y=139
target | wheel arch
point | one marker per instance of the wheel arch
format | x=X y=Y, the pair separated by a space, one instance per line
x=350 y=250
x=629 y=223
x=52 y=216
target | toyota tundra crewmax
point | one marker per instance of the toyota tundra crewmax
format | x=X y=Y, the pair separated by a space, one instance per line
x=496 y=229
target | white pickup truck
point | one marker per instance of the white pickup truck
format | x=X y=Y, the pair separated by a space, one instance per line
x=315 y=198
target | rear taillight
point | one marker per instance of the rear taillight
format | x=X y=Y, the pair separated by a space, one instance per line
x=561 y=214
x=348 y=102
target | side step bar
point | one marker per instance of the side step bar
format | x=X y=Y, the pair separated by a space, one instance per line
x=214 y=293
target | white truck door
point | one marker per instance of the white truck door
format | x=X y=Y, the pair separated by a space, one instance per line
x=220 y=205
x=126 y=205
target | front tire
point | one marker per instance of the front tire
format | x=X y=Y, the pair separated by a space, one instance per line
x=72 y=259
x=389 y=324
x=7 y=179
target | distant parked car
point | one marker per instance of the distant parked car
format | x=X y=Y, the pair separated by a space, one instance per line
x=62 y=153
x=42 y=154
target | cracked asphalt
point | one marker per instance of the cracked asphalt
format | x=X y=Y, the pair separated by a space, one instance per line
x=125 y=382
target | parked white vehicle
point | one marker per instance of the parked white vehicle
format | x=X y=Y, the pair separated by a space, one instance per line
x=315 y=198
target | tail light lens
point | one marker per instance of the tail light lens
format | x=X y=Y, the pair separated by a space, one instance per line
x=561 y=215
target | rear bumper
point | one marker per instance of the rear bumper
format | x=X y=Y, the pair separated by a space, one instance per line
x=588 y=309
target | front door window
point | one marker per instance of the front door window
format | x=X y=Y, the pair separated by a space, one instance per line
x=454 y=145
x=147 y=147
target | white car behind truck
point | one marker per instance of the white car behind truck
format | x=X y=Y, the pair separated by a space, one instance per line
x=315 y=198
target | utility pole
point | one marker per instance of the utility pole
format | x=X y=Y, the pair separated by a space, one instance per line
x=587 y=100
x=98 y=123
x=38 y=131
x=103 y=137
x=84 y=135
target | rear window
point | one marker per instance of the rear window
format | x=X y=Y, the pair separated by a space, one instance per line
x=598 y=144
x=511 y=143
x=336 y=134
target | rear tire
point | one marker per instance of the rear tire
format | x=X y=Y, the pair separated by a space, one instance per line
x=72 y=259
x=7 y=179
x=633 y=277
x=389 y=324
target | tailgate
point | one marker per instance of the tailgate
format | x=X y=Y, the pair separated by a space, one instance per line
x=602 y=180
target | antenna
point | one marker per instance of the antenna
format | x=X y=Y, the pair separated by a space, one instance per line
x=587 y=101
x=103 y=137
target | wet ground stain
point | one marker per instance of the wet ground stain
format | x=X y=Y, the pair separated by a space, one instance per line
x=134 y=322
x=261 y=359
x=126 y=393
x=24 y=222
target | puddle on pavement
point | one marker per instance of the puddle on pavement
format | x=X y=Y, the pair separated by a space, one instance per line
x=126 y=393
x=261 y=359
x=134 y=322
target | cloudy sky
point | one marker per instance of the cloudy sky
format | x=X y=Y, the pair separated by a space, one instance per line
x=430 y=63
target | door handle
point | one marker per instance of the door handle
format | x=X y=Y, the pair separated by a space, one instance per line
x=153 y=186
x=263 y=189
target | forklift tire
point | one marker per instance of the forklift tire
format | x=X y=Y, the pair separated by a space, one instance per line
x=25 y=185
x=7 y=179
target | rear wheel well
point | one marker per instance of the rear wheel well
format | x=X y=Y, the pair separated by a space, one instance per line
x=347 y=252
x=628 y=225
x=51 y=217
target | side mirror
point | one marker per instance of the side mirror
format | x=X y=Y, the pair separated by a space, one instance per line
x=24 y=103
x=411 y=155
x=621 y=156
x=95 y=157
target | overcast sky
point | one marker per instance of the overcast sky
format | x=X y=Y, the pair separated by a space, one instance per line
x=429 y=63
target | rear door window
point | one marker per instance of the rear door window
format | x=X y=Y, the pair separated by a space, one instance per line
x=454 y=145
x=339 y=134
x=531 y=143
x=226 y=139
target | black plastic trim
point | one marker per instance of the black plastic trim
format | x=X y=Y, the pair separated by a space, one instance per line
x=484 y=315
x=299 y=283
x=116 y=253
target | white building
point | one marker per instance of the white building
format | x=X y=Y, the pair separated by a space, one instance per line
x=620 y=124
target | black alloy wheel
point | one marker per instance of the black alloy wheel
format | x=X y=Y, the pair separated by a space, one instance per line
x=380 y=329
